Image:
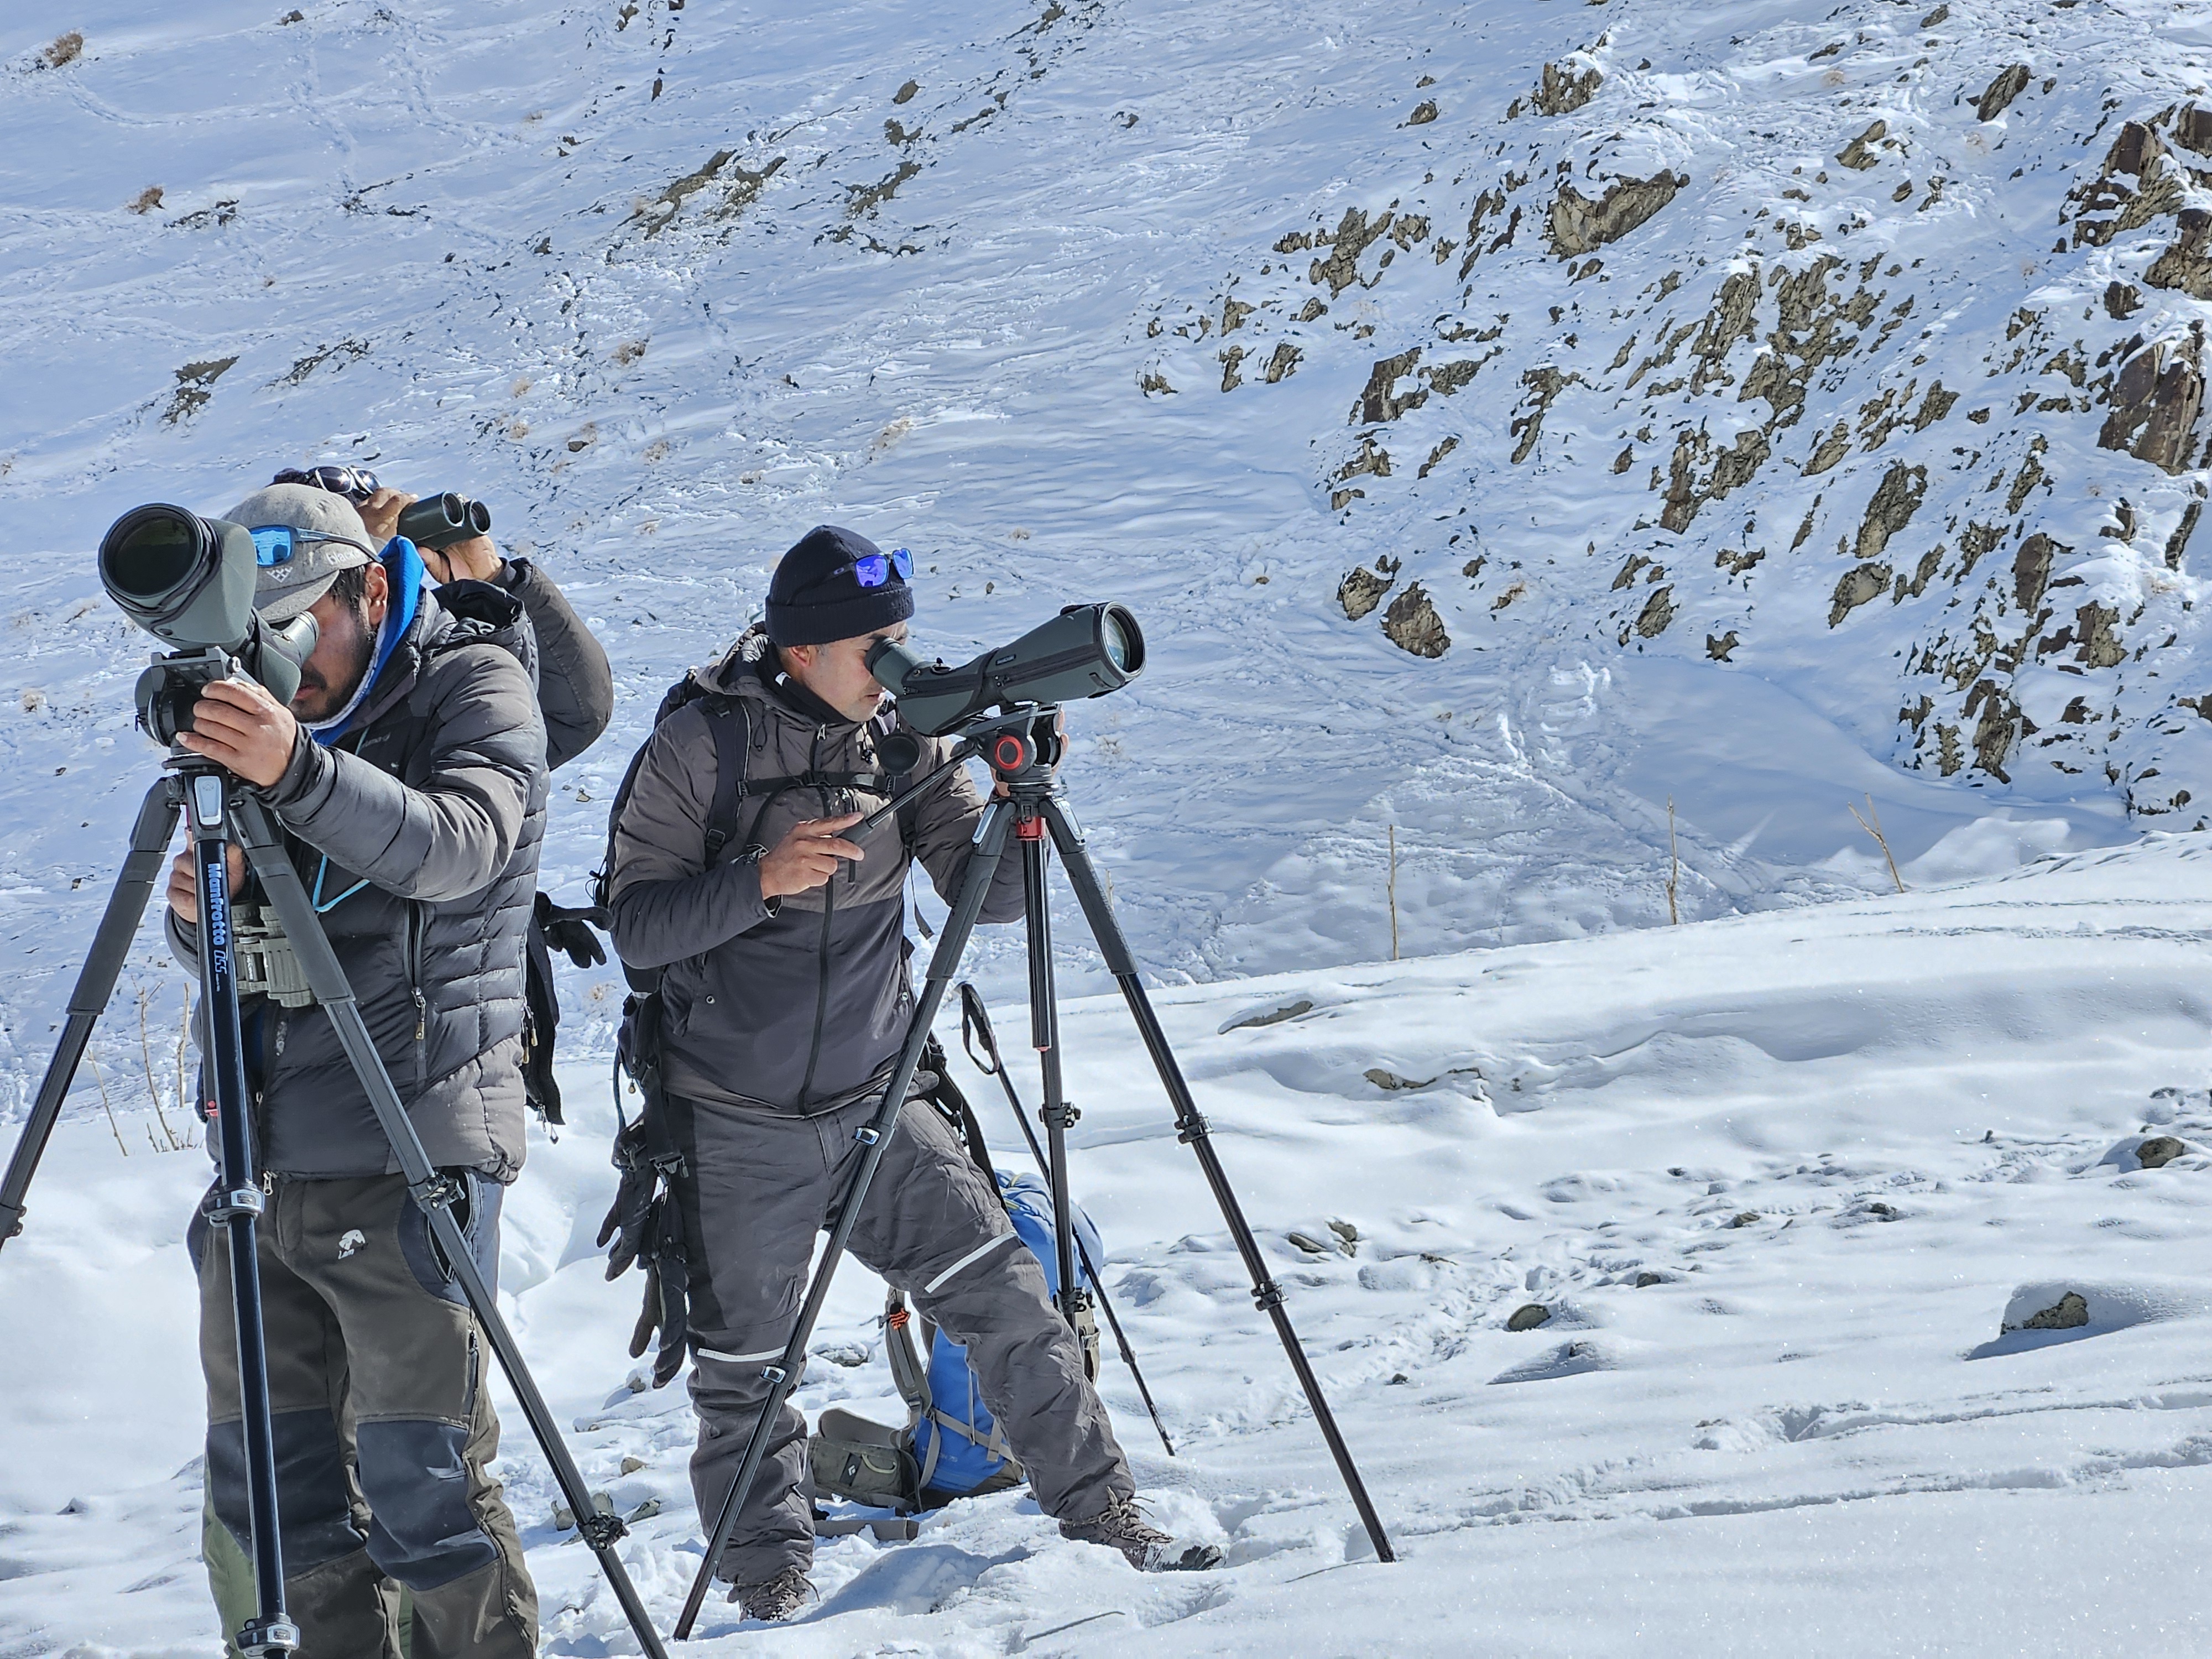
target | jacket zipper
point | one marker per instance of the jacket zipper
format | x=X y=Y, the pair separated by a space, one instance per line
x=821 y=950
x=415 y=988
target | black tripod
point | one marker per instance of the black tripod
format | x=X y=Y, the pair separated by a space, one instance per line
x=217 y=810
x=1022 y=754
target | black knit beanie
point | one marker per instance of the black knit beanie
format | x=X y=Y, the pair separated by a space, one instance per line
x=815 y=598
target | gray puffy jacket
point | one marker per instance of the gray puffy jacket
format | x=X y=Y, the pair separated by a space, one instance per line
x=418 y=835
x=797 y=1006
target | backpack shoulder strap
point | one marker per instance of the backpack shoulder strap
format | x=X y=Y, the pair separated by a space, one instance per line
x=732 y=730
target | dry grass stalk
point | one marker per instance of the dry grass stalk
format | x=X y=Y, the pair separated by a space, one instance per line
x=65 y=49
x=97 y=1078
x=153 y=1088
x=1881 y=841
x=1675 y=869
x=1394 y=892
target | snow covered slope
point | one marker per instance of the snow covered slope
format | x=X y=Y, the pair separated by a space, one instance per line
x=668 y=285
x=1526 y=333
x=1763 y=1193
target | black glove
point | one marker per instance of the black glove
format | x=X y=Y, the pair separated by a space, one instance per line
x=632 y=1211
x=569 y=930
x=667 y=1305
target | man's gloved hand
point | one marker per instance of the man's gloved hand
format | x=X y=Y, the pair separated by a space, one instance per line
x=570 y=931
x=632 y=1211
x=666 y=1306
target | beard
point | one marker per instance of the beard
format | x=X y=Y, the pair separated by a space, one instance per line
x=333 y=672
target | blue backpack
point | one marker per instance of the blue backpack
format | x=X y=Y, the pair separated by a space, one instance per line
x=950 y=1446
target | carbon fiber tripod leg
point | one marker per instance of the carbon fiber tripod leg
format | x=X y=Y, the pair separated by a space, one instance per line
x=95 y=983
x=783 y=1375
x=1191 y=1127
x=434 y=1193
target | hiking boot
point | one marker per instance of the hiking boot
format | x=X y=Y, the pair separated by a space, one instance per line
x=1119 y=1526
x=778 y=1599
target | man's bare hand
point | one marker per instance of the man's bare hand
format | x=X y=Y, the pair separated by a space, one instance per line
x=183 y=889
x=242 y=728
x=473 y=560
x=380 y=513
x=808 y=856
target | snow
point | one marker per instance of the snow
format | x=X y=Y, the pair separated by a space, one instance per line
x=1780 y=1182
x=1843 y=1136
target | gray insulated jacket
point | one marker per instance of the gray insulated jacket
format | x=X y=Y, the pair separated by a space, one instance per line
x=427 y=818
x=796 y=1005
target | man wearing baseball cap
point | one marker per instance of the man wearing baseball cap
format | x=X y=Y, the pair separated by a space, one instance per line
x=410 y=776
x=780 y=943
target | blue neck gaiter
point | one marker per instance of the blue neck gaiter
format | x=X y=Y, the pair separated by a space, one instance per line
x=403 y=565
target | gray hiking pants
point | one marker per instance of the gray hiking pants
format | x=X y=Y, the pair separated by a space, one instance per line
x=383 y=1421
x=759 y=1187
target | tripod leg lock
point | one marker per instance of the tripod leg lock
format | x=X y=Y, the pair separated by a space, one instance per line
x=1192 y=1126
x=1267 y=1296
x=600 y=1529
x=440 y=1191
x=867 y=1136
x=1063 y=1117
x=774 y=1373
x=222 y=1208
x=267 y=1636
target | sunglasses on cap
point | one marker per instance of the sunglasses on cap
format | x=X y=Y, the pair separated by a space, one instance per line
x=355 y=483
x=873 y=571
x=277 y=544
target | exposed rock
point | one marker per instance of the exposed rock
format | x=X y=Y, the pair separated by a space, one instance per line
x=1861 y=153
x=1233 y=313
x=1370 y=460
x=1564 y=90
x=2184 y=265
x=1895 y=501
x=1232 y=371
x=1576 y=225
x=1412 y=624
x=1717 y=647
x=1362 y=589
x=2155 y=400
x=2122 y=301
x=2158 y=1151
x=1544 y=384
x=2009 y=85
x=1658 y=611
x=1732 y=467
x=2101 y=647
x=1423 y=113
x=2192 y=129
x=195 y=384
x=2031 y=570
x=1529 y=1316
x=1352 y=237
x=2069 y=1312
x=1829 y=451
x=1857 y=588
x=1437 y=454
x=1995 y=731
x=2177 y=545
x=1936 y=17
x=1376 y=403
x=1283 y=363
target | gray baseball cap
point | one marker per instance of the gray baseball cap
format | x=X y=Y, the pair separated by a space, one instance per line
x=331 y=538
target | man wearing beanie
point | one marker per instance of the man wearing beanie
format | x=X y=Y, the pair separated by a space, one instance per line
x=409 y=775
x=785 y=1001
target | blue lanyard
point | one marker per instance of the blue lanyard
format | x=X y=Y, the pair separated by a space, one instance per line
x=323 y=907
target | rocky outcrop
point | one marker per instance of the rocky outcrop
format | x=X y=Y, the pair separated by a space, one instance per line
x=1412 y=624
x=1998 y=96
x=1575 y=225
x=2155 y=400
